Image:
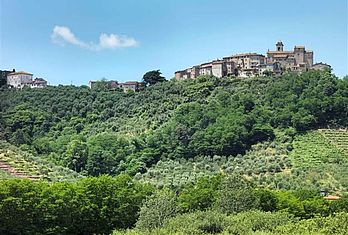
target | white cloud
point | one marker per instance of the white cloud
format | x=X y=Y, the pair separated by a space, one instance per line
x=113 y=41
x=62 y=35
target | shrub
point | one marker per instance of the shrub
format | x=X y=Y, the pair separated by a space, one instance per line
x=200 y=222
x=251 y=221
x=336 y=224
x=156 y=209
x=236 y=195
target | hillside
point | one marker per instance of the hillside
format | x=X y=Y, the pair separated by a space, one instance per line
x=203 y=156
x=309 y=161
x=245 y=125
x=16 y=163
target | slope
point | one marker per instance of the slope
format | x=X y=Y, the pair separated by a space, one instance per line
x=17 y=163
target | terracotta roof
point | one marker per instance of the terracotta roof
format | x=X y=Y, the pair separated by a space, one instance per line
x=280 y=55
x=205 y=65
x=131 y=83
x=245 y=54
x=331 y=197
x=39 y=81
x=20 y=72
x=280 y=52
x=218 y=62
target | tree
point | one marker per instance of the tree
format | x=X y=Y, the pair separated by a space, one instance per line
x=156 y=209
x=152 y=77
x=76 y=155
x=236 y=195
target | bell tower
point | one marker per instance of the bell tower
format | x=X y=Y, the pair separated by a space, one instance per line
x=279 y=46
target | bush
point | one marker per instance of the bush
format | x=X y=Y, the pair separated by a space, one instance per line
x=156 y=209
x=251 y=221
x=89 y=206
x=336 y=224
x=236 y=195
x=200 y=222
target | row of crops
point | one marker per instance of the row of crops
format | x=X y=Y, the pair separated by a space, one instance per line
x=308 y=161
x=263 y=159
x=20 y=163
x=338 y=137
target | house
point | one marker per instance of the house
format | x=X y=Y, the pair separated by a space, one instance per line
x=39 y=83
x=132 y=86
x=112 y=85
x=19 y=79
x=22 y=79
x=321 y=66
x=298 y=60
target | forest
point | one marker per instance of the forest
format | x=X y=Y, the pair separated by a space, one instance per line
x=210 y=155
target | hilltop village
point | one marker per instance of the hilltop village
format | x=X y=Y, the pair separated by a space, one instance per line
x=253 y=64
x=242 y=65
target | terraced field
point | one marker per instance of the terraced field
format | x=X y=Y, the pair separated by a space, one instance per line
x=320 y=160
x=17 y=163
x=337 y=137
x=311 y=161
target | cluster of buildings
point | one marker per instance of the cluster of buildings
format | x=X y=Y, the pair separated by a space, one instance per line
x=112 y=85
x=21 y=79
x=253 y=64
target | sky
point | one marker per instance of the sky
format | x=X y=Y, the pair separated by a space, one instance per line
x=72 y=42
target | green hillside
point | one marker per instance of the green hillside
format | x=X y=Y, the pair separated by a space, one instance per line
x=21 y=164
x=203 y=156
x=339 y=138
x=309 y=161
x=203 y=126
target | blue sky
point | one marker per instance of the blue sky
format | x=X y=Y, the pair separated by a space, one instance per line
x=76 y=41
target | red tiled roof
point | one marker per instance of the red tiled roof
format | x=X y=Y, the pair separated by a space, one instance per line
x=20 y=72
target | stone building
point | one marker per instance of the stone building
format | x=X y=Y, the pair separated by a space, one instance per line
x=19 y=79
x=321 y=66
x=246 y=64
x=132 y=86
x=111 y=85
x=39 y=83
x=299 y=59
x=254 y=64
x=24 y=79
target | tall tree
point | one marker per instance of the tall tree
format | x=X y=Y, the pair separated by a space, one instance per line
x=152 y=77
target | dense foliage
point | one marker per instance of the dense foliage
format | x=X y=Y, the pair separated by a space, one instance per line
x=214 y=205
x=32 y=167
x=97 y=131
x=89 y=206
x=227 y=156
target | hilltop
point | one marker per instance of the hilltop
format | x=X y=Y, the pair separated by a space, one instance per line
x=98 y=131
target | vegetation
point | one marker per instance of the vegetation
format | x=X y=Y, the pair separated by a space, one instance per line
x=153 y=77
x=89 y=206
x=246 y=223
x=96 y=132
x=203 y=156
x=101 y=204
x=32 y=167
